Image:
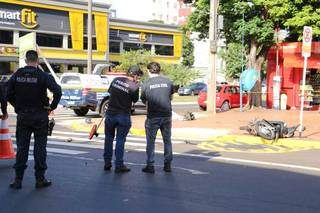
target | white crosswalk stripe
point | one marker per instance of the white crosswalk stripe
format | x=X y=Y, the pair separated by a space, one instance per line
x=63 y=142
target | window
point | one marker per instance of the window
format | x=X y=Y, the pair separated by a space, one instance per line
x=69 y=42
x=114 y=47
x=136 y=46
x=94 y=43
x=6 y=37
x=70 y=80
x=164 y=50
x=49 y=40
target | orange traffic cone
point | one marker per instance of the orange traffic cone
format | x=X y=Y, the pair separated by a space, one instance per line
x=6 y=148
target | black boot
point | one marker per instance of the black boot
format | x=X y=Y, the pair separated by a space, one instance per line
x=107 y=166
x=148 y=169
x=16 y=184
x=43 y=183
x=122 y=169
x=167 y=167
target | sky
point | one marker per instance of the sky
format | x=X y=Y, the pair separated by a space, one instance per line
x=128 y=9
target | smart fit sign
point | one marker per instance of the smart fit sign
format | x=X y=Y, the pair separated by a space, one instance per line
x=26 y=17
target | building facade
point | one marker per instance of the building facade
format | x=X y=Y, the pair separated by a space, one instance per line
x=61 y=33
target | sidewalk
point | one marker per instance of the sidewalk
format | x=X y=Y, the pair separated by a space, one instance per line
x=206 y=126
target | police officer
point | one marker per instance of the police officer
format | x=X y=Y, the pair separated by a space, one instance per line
x=123 y=92
x=157 y=94
x=3 y=103
x=27 y=93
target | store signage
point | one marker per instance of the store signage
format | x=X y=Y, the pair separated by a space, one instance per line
x=9 y=50
x=307 y=41
x=142 y=37
x=26 y=17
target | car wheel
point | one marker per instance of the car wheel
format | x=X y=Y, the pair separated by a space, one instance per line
x=81 y=111
x=225 y=106
x=104 y=107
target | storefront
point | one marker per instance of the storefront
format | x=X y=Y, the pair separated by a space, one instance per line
x=61 y=33
x=60 y=28
x=164 y=41
x=291 y=71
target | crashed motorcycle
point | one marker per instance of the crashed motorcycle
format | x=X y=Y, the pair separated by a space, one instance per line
x=270 y=130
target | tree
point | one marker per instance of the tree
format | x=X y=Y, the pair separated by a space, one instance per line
x=261 y=18
x=180 y=75
x=187 y=50
x=129 y=58
x=232 y=56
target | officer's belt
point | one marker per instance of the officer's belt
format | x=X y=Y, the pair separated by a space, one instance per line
x=31 y=110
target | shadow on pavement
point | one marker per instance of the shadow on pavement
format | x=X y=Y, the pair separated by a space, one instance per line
x=195 y=185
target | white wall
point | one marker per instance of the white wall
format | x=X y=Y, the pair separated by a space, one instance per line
x=201 y=57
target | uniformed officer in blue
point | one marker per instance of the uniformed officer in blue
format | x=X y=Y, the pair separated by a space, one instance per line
x=123 y=92
x=27 y=93
x=157 y=94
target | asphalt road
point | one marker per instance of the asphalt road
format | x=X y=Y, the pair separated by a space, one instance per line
x=195 y=185
x=201 y=181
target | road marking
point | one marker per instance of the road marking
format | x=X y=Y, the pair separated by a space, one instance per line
x=101 y=136
x=244 y=161
x=250 y=144
x=61 y=151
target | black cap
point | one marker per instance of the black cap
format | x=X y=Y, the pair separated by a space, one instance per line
x=135 y=70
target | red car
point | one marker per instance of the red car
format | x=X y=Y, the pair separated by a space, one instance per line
x=227 y=97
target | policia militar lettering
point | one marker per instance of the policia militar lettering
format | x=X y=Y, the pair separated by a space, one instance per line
x=157 y=94
x=27 y=93
x=123 y=93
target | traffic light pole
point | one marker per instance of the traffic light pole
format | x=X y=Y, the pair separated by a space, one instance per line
x=211 y=97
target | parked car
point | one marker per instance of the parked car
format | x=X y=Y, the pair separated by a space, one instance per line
x=227 y=97
x=192 y=89
x=82 y=92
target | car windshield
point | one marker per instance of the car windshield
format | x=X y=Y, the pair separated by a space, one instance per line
x=218 y=89
x=70 y=80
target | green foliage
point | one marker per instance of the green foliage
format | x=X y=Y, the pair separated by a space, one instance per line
x=187 y=51
x=232 y=56
x=198 y=21
x=129 y=58
x=180 y=75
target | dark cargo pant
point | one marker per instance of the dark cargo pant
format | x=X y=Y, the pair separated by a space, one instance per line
x=152 y=125
x=28 y=123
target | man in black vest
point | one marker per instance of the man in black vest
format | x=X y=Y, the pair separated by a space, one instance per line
x=27 y=93
x=157 y=94
x=123 y=92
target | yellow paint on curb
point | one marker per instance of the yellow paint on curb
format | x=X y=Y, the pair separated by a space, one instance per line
x=250 y=144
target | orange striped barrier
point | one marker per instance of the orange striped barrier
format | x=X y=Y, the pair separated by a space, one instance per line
x=6 y=147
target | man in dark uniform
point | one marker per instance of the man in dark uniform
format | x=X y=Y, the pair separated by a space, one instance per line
x=3 y=102
x=157 y=94
x=123 y=92
x=27 y=93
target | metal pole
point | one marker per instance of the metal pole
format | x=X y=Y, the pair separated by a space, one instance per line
x=211 y=98
x=89 y=35
x=302 y=94
x=242 y=62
